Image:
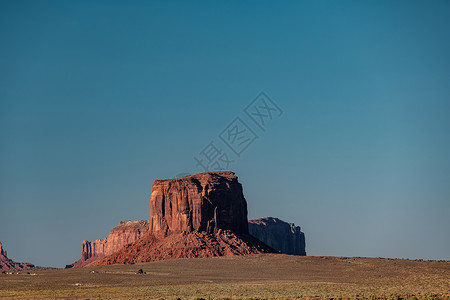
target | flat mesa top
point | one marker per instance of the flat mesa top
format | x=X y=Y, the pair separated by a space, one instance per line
x=133 y=224
x=226 y=174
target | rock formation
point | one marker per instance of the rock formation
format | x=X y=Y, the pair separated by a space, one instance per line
x=125 y=233
x=203 y=202
x=284 y=237
x=199 y=215
x=8 y=264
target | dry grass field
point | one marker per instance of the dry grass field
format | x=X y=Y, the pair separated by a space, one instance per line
x=265 y=276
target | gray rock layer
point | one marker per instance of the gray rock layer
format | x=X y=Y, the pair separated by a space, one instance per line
x=282 y=236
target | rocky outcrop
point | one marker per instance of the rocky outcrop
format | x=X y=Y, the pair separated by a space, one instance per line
x=284 y=237
x=203 y=202
x=199 y=215
x=8 y=264
x=186 y=245
x=125 y=233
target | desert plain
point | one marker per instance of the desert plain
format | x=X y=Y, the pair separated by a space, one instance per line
x=261 y=276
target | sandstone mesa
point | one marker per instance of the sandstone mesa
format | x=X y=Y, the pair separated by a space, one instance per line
x=199 y=215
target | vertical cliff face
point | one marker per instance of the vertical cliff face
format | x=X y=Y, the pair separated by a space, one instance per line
x=94 y=249
x=284 y=237
x=125 y=233
x=202 y=202
x=8 y=264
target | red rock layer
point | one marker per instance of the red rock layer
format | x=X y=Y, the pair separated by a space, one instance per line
x=8 y=264
x=125 y=233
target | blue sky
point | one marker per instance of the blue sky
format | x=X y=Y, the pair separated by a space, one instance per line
x=100 y=98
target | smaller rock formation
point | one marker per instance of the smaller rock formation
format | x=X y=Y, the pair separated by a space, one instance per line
x=8 y=264
x=282 y=236
x=125 y=233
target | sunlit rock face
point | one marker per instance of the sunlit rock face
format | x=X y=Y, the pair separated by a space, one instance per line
x=202 y=202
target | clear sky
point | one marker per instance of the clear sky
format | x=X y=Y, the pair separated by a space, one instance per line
x=100 y=98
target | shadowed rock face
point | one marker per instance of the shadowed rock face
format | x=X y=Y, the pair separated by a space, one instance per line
x=8 y=264
x=284 y=237
x=202 y=202
x=125 y=233
x=2 y=252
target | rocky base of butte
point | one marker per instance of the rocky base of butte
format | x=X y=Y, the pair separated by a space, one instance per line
x=186 y=245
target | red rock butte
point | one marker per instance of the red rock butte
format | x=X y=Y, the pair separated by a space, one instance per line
x=199 y=215
x=202 y=202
